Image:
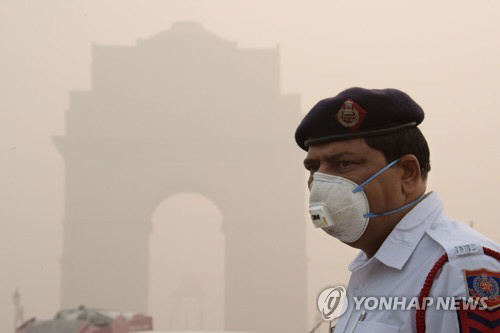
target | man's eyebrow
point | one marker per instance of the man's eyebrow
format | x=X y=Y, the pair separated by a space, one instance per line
x=341 y=155
x=331 y=158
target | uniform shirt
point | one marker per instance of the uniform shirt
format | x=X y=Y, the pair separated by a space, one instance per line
x=399 y=269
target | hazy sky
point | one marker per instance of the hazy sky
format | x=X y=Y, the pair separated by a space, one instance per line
x=443 y=53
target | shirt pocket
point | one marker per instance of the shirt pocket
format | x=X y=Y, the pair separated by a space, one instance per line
x=374 y=327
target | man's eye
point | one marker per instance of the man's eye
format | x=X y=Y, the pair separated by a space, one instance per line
x=344 y=164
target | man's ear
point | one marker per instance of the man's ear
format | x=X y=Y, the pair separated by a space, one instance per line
x=411 y=176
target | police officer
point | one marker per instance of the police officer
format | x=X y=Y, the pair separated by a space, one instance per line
x=368 y=165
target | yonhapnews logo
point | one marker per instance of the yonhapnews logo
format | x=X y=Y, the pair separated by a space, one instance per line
x=332 y=302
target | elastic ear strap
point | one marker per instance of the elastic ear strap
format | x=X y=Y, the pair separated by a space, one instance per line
x=426 y=289
x=395 y=210
x=360 y=187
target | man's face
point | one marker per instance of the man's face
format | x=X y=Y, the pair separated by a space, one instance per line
x=356 y=161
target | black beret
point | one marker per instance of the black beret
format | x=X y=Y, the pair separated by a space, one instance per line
x=356 y=113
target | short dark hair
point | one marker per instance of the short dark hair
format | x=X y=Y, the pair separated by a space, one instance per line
x=397 y=144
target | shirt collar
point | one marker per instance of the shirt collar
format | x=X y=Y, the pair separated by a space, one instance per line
x=402 y=241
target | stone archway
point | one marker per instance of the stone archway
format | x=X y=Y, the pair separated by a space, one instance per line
x=185 y=110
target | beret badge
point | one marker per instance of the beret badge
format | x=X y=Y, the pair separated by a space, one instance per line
x=350 y=115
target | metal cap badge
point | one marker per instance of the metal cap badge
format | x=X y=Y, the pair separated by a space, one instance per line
x=350 y=115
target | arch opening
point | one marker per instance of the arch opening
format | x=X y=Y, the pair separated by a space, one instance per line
x=187 y=264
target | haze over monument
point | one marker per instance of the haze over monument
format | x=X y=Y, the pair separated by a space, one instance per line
x=185 y=111
x=444 y=54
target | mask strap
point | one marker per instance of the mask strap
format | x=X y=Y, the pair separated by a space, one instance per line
x=395 y=210
x=360 y=187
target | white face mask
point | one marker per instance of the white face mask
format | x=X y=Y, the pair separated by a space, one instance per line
x=335 y=207
x=340 y=206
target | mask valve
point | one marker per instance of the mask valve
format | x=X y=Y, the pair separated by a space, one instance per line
x=320 y=216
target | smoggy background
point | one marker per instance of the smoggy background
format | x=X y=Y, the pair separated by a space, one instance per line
x=443 y=53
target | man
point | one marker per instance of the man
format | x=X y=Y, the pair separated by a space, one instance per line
x=368 y=165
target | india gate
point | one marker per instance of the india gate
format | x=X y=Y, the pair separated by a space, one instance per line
x=186 y=111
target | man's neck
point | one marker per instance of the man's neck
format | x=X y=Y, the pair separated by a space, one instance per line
x=379 y=239
x=383 y=229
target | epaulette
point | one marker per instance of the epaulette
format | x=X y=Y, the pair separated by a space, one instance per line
x=484 y=284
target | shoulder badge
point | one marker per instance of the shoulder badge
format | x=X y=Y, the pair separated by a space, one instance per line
x=350 y=115
x=483 y=283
